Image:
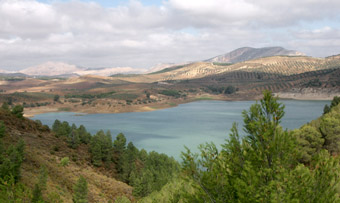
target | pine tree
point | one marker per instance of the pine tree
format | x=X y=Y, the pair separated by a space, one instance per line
x=2 y=129
x=310 y=142
x=84 y=136
x=80 y=191
x=5 y=106
x=18 y=111
x=119 y=147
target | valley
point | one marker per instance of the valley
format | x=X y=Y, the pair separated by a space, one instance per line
x=290 y=77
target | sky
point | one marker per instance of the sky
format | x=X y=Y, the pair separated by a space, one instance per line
x=144 y=33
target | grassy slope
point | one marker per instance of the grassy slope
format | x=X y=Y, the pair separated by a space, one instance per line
x=40 y=150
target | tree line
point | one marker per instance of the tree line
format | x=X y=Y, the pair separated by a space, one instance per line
x=145 y=171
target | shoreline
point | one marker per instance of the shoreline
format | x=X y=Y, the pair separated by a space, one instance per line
x=31 y=112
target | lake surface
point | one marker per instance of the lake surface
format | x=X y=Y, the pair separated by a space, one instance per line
x=168 y=130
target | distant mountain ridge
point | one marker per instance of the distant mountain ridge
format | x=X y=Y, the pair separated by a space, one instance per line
x=249 y=53
x=64 y=69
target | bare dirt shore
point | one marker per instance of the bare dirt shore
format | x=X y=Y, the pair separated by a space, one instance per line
x=309 y=94
x=105 y=107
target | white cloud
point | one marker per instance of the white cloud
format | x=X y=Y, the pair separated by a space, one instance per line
x=140 y=36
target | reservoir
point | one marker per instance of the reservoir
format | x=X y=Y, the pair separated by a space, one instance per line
x=169 y=130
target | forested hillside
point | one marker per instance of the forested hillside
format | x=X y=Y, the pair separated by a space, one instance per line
x=268 y=164
x=68 y=164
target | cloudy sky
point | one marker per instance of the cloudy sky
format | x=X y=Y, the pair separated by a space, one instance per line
x=143 y=33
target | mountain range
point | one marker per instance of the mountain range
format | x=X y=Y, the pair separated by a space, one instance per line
x=236 y=56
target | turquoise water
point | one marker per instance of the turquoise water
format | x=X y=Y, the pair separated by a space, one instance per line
x=168 y=130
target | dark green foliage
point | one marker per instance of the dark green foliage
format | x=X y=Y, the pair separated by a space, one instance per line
x=80 y=191
x=152 y=173
x=330 y=130
x=147 y=94
x=314 y=83
x=37 y=194
x=2 y=129
x=334 y=103
x=10 y=164
x=130 y=156
x=5 y=106
x=90 y=96
x=10 y=191
x=11 y=159
x=326 y=109
x=172 y=93
x=56 y=98
x=18 y=111
x=61 y=129
x=84 y=136
x=119 y=147
x=220 y=90
x=230 y=90
x=310 y=141
x=73 y=138
x=263 y=166
x=40 y=186
x=100 y=148
x=222 y=64
x=216 y=90
x=146 y=172
x=43 y=177
x=73 y=135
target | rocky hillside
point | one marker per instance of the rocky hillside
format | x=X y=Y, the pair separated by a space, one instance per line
x=249 y=53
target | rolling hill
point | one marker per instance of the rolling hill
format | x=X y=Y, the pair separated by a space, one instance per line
x=249 y=53
x=285 y=65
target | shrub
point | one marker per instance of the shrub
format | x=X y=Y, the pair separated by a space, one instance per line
x=64 y=161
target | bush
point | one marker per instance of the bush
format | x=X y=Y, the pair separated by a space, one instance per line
x=18 y=111
x=65 y=161
x=122 y=199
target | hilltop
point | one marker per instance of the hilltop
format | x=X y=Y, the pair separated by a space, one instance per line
x=285 y=65
x=249 y=53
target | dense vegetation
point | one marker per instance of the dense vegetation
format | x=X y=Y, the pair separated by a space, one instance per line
x=146 y=172
x=90 y=96
x=267 y=164
x=172 y=93
x=222 y=90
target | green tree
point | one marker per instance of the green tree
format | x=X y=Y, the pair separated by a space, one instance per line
x=2 y=129
x=330 y=130
x=56 y=98
x=80 y=191
x=310 y=142
x=96 y=154
x=84 y=136
x=56 y=125
x=73 y=139
x=334 y=103
x=253 y=169
x=18 y=111
x=326 y=109
x=119 y=147
x=129 y=165
x=101 y=148
x=37 y=194
x=5 y=106
x=11 y=160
